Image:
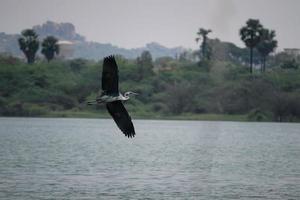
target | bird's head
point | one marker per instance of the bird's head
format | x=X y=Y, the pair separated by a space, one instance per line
x=127 y=94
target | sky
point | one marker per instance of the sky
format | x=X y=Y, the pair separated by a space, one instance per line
x=133 y=23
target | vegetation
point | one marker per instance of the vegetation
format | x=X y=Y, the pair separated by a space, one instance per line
x=217 y=88
x=170 y=88
x=29 y=44
x=145 y=66
x=266 y=45
x=50 y=47
x=205 y=49
x=251 y=36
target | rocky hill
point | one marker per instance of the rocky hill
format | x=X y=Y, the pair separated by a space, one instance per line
x=82 y=47
x=62 y=31
x=9 y=44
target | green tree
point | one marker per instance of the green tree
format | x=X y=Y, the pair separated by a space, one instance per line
x=250 y=35
x=202 y=33
x=266 y=46
x=50 y=47
x=179 y=96
x=290 y=64
x=29 y=44
x=145 y=64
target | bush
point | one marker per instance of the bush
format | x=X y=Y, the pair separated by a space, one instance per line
x=257 y=115
x=290 y=64
x=25 y=109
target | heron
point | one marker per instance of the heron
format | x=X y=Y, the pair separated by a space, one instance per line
x=113 y=99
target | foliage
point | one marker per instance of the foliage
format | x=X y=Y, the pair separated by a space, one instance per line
x=257 y=115
x=50 y=47
x=169 y=88
x=145 y=66
x=251 y=35
x=290 y=64
x=205 y=48
x=266 y=45
x=29 y=44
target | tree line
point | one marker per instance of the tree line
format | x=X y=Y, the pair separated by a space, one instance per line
x=168 y=87
x=29 y=44
x=253 y=34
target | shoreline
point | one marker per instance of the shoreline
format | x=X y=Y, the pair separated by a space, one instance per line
x=185 y=116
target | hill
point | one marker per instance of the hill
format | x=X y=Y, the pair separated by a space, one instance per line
x=82 y=47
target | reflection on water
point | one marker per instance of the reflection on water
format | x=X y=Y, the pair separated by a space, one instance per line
x=91 y=159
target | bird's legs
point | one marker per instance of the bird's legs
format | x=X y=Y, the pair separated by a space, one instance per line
x=94 y=102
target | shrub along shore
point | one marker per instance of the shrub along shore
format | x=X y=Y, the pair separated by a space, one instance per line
x=169 y=89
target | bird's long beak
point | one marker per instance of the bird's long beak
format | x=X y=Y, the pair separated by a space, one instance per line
x=134 y=93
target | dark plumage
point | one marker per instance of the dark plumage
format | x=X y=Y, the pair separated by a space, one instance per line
x=118 y=112
x=113 y=98
x=110 y=77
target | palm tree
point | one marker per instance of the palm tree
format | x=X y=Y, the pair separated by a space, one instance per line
x=250 y=35
x=29 y=44
x=266 y=46
x=50 y=47
x=202 y=33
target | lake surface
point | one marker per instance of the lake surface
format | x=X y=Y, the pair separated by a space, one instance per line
x=91 y=159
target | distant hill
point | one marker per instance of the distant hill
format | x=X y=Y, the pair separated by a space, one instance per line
x=83 y=48
x=94 y=50
x=62 y=31
x=9 y=44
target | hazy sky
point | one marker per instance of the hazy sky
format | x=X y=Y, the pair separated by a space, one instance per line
x=133 y=23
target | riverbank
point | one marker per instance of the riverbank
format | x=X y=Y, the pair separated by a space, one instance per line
x=157 y=116
x=186 y=116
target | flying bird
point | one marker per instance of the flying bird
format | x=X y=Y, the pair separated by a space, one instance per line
x=111 y=96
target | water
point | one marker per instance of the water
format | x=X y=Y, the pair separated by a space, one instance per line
x=91 y=159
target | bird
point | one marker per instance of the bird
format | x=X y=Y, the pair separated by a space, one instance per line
x=113 y=99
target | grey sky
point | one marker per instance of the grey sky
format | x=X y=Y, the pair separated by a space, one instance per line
x=133 y=23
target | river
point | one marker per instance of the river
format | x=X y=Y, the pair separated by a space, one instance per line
x=57 y=158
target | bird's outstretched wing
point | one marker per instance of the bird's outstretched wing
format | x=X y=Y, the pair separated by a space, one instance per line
x=110 y=77
x=120 y=115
